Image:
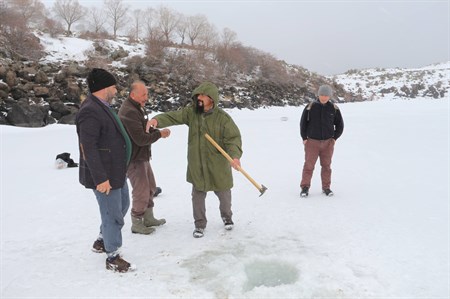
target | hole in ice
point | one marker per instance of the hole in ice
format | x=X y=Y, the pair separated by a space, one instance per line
x=269 y=273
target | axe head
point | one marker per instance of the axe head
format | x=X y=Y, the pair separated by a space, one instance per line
x=262 y=190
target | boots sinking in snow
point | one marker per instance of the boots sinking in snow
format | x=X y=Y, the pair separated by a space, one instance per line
x=138 y=226
x=150 y=220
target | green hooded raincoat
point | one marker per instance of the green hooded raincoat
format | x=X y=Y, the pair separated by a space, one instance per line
x=207 y=169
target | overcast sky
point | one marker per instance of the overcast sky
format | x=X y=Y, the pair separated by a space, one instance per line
x=329 y=37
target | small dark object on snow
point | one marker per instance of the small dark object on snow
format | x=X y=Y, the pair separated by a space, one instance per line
x=66 y=158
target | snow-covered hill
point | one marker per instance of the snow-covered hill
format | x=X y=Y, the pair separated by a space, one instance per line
x=431 y=81
x=62 y=49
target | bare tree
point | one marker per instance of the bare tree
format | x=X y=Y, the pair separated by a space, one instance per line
x=208 y=36
x=29 y=10
x=96 y=20
x=155 y=37
x=70 y=11
x=117 y=14
x=229 y=37
x=151 y=25
x=150 y=21
x=137 y=20
x=196 y=26
x=181 y=28
x=167 y=21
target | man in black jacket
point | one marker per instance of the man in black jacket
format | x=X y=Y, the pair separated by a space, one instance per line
x=105 y=151
x=320 y=126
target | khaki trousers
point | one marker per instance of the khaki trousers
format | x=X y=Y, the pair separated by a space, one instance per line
x=199 y=208
x=142 y=181
x=314 y=149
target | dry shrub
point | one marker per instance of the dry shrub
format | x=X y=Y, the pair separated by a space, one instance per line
x=53 y=27
x=21 y=40
x=101 y=35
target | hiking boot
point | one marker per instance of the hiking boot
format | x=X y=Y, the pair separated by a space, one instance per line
x=138 y=227
x=198 y=232
x=228 y=224
x=305 y=192
x=99 y=246
x=328 y=192
x=118 y=264
x=150 y=220
x=157 y=191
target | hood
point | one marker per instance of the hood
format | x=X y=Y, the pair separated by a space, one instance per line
x=210 y=90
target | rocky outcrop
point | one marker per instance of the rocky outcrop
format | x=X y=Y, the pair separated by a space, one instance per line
x=34 y=95
x=25 y=114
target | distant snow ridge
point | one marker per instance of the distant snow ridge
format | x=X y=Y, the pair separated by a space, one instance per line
x=432 y=81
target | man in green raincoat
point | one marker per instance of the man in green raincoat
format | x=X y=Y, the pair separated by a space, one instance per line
x=207 y=169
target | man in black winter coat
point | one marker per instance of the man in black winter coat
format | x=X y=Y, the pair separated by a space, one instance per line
x=105 y=151
x=320 y=126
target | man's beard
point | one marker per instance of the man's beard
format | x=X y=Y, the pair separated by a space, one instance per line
x=199 y=107
x=110 y=98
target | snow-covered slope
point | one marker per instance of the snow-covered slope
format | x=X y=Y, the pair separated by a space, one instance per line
x=64 y=48
x=431 y=81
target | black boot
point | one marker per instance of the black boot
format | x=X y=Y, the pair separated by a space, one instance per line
x=305 y=192
x=328 y=192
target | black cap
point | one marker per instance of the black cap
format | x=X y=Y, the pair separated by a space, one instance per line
x=99 y=79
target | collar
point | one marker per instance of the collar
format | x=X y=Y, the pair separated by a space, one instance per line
x=103 y=101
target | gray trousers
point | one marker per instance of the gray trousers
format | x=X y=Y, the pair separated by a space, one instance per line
x=199 y=208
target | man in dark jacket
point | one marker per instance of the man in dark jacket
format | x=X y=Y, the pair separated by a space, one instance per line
x=134 y=119
x=105 y=151
x=320 y=126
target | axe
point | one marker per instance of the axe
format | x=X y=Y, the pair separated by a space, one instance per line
x=261 y=188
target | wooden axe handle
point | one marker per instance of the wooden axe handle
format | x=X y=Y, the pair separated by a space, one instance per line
x=224 y=153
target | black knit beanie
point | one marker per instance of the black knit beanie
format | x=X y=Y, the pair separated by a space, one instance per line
x=99 y=79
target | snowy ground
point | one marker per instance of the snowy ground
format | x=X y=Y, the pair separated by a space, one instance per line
x=385 y=233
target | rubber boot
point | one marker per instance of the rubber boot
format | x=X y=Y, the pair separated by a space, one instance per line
x=138 y=226
x=150 y=220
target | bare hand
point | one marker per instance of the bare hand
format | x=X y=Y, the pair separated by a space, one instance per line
x=104 y=187
x=165 y=133
x=153 y=123
x=236 y=164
